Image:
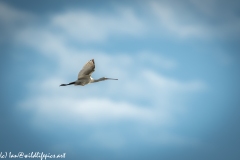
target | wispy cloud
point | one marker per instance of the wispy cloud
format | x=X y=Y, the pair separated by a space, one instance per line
x=210 y=19
x=167 y=19
x=81 y=110
x=177 y=24
x=86 y=26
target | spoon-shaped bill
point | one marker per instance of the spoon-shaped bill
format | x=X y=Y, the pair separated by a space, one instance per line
x=112 y=78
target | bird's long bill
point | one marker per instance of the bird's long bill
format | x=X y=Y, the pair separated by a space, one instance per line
x=111 y=78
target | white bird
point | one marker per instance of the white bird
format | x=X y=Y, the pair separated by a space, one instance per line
x=84 y=76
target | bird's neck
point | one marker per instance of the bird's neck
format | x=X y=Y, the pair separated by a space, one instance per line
x=97 y=80
x=91 y=80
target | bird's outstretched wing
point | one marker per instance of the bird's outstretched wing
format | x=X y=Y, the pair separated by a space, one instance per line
x=87 y=69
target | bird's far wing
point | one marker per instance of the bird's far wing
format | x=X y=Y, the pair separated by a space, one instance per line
x=87 y=69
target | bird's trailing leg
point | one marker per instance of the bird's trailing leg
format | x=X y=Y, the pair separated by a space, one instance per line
x=67 y=84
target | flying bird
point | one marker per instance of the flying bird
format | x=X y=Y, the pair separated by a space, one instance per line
x=84 y=76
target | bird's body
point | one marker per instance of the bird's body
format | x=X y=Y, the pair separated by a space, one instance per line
x=84 y=76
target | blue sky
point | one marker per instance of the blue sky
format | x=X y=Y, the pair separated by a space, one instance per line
x=178 y=68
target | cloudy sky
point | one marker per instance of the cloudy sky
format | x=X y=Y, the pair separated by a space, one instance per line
x=177 y=62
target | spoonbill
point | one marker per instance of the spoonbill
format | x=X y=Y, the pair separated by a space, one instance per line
x=84 y=76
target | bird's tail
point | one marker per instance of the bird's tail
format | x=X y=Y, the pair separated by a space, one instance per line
x=67 y=84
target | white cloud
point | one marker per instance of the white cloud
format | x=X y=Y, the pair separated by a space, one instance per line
x=160 y=18
x=176 y=22
x=172 y=85
x=81 y=111
x=210 y=19
x=86 y=26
